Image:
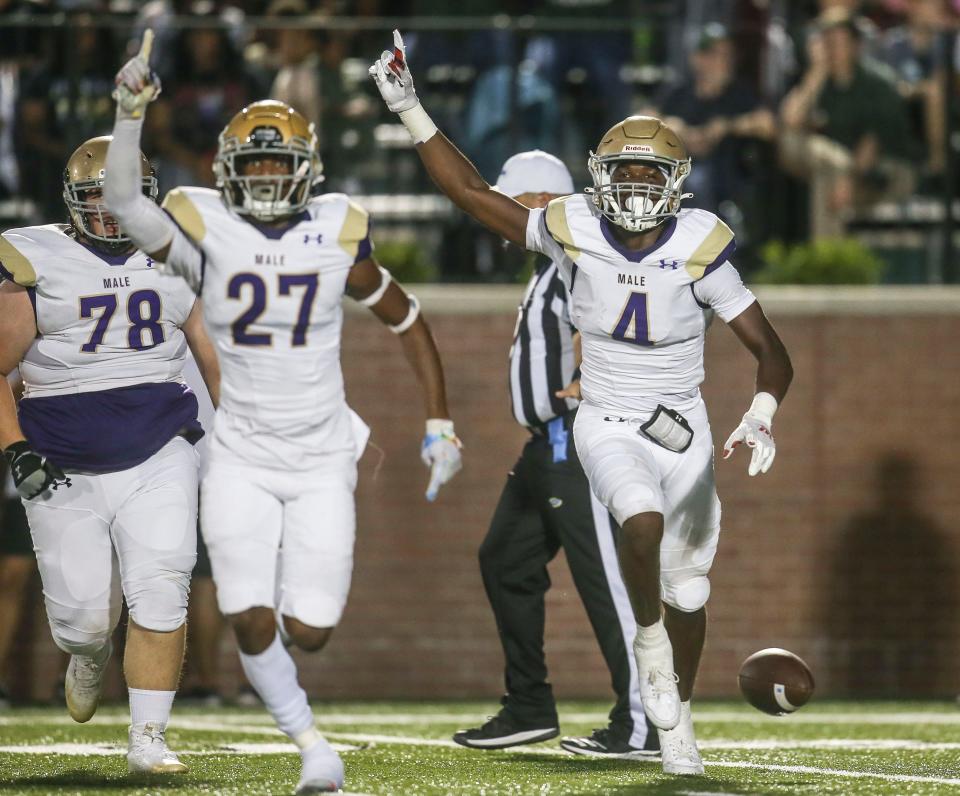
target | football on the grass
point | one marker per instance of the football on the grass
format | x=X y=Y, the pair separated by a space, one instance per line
x=776 y=681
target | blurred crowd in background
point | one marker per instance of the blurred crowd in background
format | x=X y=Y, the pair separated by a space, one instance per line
x=806 y=119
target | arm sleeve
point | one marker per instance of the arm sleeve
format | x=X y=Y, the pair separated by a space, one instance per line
x=723 y=290
x=146 y=224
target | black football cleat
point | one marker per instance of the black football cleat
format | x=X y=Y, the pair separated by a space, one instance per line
x=601 y=744
x=503 y=731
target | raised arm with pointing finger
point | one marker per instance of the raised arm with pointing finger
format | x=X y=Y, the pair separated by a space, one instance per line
x=148 y=226
x=447 y=166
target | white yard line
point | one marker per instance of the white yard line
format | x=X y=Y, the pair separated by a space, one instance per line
x=108 y=749
x=78 y=749
x=835 y=772
x=262 y=720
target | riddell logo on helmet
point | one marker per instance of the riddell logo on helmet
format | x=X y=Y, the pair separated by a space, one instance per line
x=637 y=148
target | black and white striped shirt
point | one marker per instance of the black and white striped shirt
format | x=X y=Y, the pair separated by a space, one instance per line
x=542 y=358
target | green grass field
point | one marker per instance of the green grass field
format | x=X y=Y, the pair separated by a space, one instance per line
x=405 y=748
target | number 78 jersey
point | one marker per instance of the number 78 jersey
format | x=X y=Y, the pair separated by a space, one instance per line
x=103 y=321
x=272 y=304
x=641 y=313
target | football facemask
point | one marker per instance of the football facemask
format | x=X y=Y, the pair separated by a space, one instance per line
x=637 y=206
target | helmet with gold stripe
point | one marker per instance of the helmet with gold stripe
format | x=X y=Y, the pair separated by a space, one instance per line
x=83 y=193
x=639 y=205
x=268 y=161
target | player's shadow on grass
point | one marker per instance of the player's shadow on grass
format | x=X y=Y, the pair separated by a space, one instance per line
x=80 y=779
x=648 y=775
x=891 y=601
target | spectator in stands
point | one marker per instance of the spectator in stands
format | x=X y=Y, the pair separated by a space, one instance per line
x=209 y=84
x=918 y=52
x=592 y=57
x=64 y=102
x=16 y=566
x=310 y=79
x=716 y=115
x=847 y=130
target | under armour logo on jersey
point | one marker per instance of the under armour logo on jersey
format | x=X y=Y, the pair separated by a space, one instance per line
x=671 y=264
x=307 y=238
x=150 y=262
x=61 y=482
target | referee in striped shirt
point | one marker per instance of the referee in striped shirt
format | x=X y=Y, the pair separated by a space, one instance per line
x=547 y=504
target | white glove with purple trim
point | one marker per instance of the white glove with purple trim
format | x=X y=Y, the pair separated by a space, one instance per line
x=440 y=451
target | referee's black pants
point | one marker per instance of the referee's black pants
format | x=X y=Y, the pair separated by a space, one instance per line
x=547 y=504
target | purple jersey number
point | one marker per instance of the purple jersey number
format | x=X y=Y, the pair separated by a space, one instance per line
x=258 y=304
x=634 y=312
x=140 y=320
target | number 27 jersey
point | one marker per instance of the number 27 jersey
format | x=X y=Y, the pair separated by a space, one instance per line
x=272 y=305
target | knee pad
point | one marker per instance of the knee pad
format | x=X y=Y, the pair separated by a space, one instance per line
x=622 y=481
x=81 y=631
x=632 y=499
x=687 y=592
x=159 y=603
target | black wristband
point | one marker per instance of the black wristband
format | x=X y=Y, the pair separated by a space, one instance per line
x=15 y=449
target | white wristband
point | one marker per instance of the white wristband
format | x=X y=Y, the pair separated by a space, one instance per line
x=419 y=125
x=764 y=407
x=412 y=315
x=440 y=427
x=373 y=298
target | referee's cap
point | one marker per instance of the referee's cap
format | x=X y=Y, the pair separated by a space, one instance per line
x=535 y=171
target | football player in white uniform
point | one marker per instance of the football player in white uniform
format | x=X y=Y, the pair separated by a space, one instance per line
x=101 y=449
x=273 y=263
x=640 y=272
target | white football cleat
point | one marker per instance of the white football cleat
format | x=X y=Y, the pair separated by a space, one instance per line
x=148 y=753
x=658 y=684
x=83 y=684
x=678 y=747
x=322 y=770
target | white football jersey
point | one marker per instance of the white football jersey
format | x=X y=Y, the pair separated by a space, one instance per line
x=272 y=305
x=640 y=313
x=104 y=321
x=102 y=380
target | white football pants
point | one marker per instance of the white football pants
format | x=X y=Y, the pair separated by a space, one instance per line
x=133 y=531
x=632 y=475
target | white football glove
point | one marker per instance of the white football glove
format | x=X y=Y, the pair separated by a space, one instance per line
x=440 y=451
x=137 y=85
x=392 y=76
x=755 y=431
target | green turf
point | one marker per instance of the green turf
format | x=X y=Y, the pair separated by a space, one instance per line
x=822 y=737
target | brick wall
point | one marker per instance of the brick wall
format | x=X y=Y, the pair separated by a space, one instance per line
x=847 y=552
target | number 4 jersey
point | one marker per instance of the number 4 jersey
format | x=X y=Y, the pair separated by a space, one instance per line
x=640 y=312
x=272 y=302
x=103 y=390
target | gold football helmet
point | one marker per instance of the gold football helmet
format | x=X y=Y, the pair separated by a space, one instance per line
x=84 y=173
x=638 y=206
x=268 y=129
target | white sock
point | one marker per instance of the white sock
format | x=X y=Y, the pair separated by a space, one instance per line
x=150 y=706
x=273 y=675
x=653 y=636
